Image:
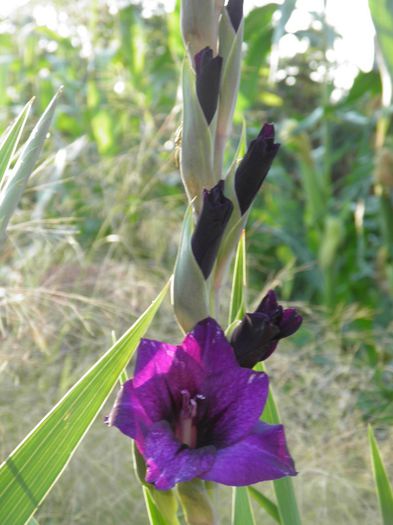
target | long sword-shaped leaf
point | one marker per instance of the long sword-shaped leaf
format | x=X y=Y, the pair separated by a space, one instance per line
x=266 y=503
x=241 y=508
x=237 y=305
x=31 y=470
x=242 y=512
x=11 y=139
x=382 y=483
x=14 y=186
x=284 y=489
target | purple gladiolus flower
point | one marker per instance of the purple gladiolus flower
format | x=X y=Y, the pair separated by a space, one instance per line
x=214 y=216
x=257 y=336
x=194 y=412
x=208 y=74
x=254 y=167
x=235 y=12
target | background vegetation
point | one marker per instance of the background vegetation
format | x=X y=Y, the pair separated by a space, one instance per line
x=96 y=236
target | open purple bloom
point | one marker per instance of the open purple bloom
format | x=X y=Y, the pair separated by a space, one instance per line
x=257 y=336
x=194 y=412
x=208 y=74
x=214 y=216
x=235 y=12
x=254 y=166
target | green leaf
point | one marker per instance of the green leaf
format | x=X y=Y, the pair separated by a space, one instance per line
x=15 y=184
x=242 y=512
x=34 y=466
x=231 y=51
x=155 y=516
x=284 y=489
x=266 y=503
x=196 y=504
x=237 y=307
x=382 y=15
x=190 y=296
x=196 y=159
x=11 y=139
x=384 y=488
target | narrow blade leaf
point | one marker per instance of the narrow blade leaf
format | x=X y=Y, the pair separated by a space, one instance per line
x=242 y=511
x=266 y=503
x=11 y=139
x=31 y=470
x=16 y=181
x=237 y=305
x=382 y=483
x=284 y=489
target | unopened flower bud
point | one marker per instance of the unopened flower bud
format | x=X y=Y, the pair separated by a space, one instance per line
x=254 y=167
x=235 y=12
x=214 y=216
x=257 y=336
x=208 y=73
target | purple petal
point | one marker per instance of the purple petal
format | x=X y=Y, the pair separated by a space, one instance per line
x=253 y=340
x=290 y=322
x=212 y=221
x=128 y=414
x=236 y=399
x=268 y=304
x=261 y=456
x=169 y=462
x=209 y=346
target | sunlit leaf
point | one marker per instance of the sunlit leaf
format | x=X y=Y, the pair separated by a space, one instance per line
x=33 y=467
x=11 y=139
x=14 y=186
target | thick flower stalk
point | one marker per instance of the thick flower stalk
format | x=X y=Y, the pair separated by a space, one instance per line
x=194 y=413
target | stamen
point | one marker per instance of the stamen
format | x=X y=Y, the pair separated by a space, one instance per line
x=186 y=430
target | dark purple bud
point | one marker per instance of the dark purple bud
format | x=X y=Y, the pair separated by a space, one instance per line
x=235 y=12
x=254 y=166
x=257 y=336
x=208 y=73
x=214 y=216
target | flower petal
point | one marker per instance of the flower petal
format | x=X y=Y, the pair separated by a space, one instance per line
x=169 y=462
x=209 y=347
x=235 y=401
x=261 y=456
x=127 y=414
